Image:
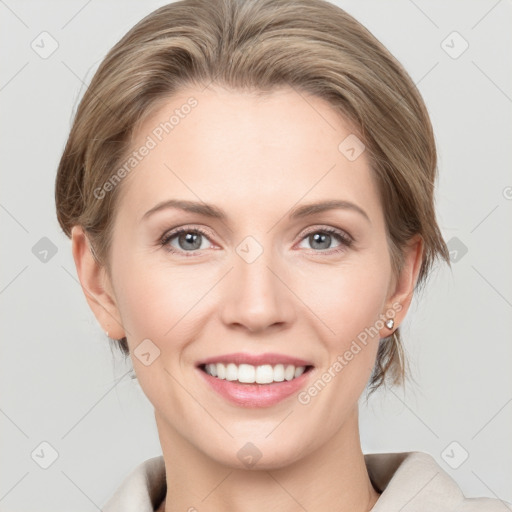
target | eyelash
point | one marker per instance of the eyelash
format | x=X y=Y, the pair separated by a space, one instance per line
x=344 y=239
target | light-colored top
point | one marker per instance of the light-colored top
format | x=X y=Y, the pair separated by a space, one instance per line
x=409 y=482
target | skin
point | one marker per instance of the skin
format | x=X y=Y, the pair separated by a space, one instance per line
x=256 y=158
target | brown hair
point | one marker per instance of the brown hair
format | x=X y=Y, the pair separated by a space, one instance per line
x=310 y=45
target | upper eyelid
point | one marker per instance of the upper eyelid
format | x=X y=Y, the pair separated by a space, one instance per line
x=176 y=231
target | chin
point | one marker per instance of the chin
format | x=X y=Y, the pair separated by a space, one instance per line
x=260 y=453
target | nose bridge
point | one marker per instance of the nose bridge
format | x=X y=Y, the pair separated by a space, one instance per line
x=256 y=296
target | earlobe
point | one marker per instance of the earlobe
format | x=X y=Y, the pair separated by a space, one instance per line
x=95 y=284
x=405 y=283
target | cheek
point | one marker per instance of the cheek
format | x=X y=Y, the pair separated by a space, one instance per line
x=347 y=298
x=157 y=305
x=349 y=304
x=153 y=303
x=347 y=301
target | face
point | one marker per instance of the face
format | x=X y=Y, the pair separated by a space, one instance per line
x=265 y=277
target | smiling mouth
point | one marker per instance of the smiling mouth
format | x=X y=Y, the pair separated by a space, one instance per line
x=250 y=374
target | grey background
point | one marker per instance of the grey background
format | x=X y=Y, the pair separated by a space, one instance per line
x=60 y=383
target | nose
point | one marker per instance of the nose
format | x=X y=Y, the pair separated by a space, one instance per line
x=257 y=295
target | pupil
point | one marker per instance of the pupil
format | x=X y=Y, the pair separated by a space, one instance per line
x=191 y=238
x=321 y=238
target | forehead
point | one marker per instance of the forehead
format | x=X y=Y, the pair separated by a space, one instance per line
x=247 y=150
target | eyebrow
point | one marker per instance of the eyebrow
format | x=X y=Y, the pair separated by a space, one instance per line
x=214 y=212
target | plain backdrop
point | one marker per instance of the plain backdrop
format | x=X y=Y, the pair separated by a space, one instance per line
x=69 y=404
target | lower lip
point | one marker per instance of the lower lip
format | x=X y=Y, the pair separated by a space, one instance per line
x=255 y=395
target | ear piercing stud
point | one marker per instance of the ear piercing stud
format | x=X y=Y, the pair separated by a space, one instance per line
x=390 y=323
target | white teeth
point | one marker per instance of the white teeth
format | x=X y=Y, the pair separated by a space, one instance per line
x=231 y=372
x=221 y=370
x=212 y=369
x=279 y=372
x=264 y=374
x=247 y=373
x=289 y=372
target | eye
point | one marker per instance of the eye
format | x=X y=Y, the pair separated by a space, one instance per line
x=321 y=239
x=190 y=240
x=187 y=239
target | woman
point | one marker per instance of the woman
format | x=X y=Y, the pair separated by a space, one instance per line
x=248 y=187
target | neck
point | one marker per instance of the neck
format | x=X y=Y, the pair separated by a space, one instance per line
x=333 y=477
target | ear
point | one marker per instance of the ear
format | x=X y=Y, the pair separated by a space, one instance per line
x=402 y=288
x=96 y=285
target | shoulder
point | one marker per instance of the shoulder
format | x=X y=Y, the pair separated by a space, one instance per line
x=415 y=481
x=142 y=490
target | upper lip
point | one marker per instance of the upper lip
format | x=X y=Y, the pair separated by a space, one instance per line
x=255 y=359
